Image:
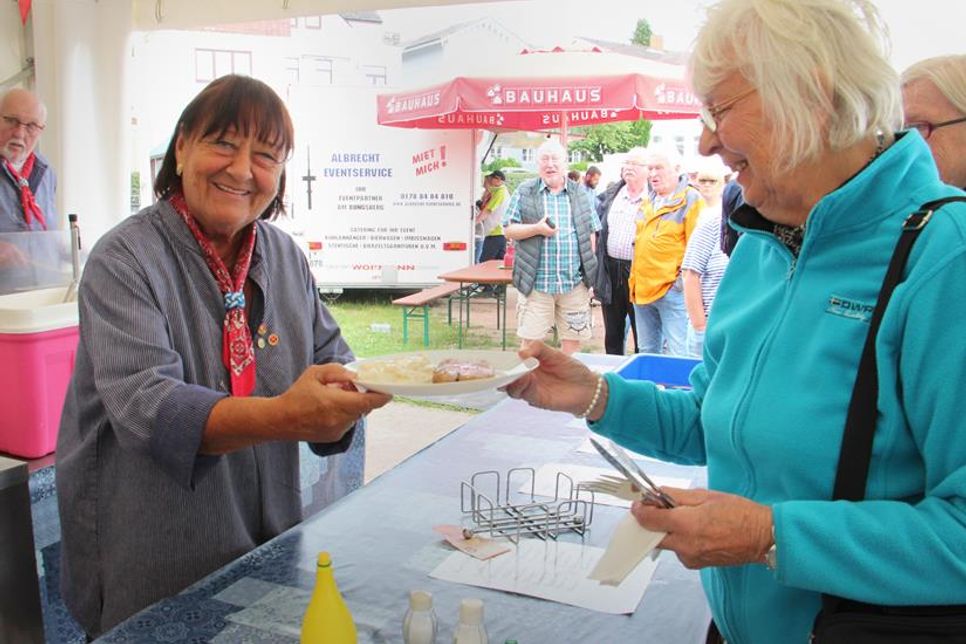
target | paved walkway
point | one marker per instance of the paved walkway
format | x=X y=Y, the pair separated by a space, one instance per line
x=400 y=429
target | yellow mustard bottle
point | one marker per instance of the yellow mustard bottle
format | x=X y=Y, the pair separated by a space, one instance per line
x=327 y=618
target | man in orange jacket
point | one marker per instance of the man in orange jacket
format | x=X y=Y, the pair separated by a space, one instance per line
x=655 y=284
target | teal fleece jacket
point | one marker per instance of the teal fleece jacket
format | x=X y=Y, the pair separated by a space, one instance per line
x=769 y=402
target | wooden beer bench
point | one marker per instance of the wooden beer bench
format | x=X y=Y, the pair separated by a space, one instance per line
x=470 y=279
x=416 y=306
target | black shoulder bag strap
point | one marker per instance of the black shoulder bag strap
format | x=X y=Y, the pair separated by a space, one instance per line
x=856 y=452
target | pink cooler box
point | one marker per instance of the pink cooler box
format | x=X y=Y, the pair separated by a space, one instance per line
x=38 y=341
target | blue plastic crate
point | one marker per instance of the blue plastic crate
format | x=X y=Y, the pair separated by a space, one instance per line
x=670 y=371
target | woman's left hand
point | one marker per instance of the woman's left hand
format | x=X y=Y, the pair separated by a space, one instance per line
x=710 y=528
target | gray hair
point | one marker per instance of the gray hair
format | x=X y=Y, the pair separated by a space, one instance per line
x=20 y=91
x=820 y=67
x=669 y=153
x=947 y=73
x=553 y=148
x=637 y=153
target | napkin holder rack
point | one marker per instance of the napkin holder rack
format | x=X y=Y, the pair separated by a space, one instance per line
x=491 y=507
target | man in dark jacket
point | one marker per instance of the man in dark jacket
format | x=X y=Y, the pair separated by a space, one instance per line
x=619 y=209
x=731 y=200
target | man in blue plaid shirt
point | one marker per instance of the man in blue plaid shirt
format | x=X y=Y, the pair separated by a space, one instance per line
x=553 y=222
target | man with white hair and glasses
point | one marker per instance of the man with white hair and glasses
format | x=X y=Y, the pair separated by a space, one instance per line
x=27 y=190
x=656 y=286
x=27 y=182
x=553 y=222
x=934 y=99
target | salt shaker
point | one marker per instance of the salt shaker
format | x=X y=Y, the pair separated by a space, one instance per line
x=419 y=625
x=470 y=629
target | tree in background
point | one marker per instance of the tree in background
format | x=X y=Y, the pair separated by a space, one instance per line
x=598 y=140
x=642 y=33
x=499 y=164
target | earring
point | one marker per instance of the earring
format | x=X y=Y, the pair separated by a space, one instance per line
x=178 y=169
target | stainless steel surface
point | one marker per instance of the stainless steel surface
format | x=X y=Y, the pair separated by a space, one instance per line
x=517 y=514
x=616 y=486
x=21 y=618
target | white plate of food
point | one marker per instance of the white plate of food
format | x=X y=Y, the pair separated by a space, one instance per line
x=440 y=373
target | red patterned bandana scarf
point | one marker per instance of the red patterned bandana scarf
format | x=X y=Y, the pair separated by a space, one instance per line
x=31 y=210
x=237 y=351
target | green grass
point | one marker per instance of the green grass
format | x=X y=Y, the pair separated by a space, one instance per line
x=357 y=310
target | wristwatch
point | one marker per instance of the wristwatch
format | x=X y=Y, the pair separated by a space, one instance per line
x=771 y=556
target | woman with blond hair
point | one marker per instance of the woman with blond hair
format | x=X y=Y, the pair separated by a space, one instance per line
x=704 y=262
x=934 y=99
x=802 y=102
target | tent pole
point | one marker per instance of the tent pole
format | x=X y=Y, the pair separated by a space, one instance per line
x=489 y=149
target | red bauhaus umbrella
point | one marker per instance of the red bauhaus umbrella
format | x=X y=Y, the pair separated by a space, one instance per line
x=547 y=90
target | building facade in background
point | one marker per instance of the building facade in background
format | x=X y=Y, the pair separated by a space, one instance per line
x=347 y=50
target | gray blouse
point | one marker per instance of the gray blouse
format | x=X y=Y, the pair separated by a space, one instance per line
x=143 y=514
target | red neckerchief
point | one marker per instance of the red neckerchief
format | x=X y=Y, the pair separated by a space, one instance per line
x=237 y=351
x=30 y=208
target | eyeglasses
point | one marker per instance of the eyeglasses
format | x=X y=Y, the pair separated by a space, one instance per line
x=926 y=129
x=707 y=181
x=710 y=114
x=13 y=122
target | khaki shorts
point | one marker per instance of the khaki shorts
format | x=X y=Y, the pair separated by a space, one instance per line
x=538 y=312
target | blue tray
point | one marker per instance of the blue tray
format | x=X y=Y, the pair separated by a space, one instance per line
x=670 y=371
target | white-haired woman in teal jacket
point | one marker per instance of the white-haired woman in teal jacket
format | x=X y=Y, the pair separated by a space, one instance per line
x=803 y=104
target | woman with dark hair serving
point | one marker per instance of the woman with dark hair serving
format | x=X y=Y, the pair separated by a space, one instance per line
x=205 y=356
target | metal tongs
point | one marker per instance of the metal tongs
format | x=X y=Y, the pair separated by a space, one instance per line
x=626 y=466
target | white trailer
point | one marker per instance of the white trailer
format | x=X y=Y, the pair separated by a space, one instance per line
x=375 y=206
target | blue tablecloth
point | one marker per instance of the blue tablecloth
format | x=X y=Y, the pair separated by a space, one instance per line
x=322 y=480
x=383 y=546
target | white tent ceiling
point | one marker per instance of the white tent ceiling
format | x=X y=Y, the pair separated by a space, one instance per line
x=180 y=14
x=81 y=51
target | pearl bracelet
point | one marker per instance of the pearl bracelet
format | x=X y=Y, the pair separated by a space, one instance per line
x=593 y=401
